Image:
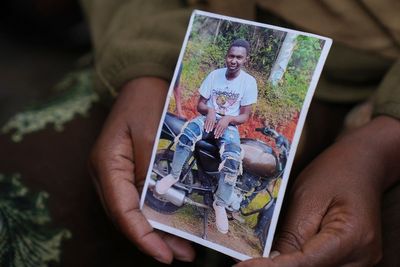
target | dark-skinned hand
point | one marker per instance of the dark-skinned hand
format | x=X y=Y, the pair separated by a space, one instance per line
x=210 y=121
x=221 y=126
x=333 y=218
x=119 y=163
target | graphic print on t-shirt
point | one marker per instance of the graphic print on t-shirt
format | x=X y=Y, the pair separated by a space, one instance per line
x=227 y=96
x=224 y=100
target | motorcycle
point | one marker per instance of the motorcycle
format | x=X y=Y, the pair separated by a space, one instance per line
x=262 y=167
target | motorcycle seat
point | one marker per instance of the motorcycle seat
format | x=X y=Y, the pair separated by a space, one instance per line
x=208 y=146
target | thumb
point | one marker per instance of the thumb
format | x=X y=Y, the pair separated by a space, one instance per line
x=320 y=250
x=301 y=222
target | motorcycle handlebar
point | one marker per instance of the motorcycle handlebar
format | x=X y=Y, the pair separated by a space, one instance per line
x=268 y=131
x=279 y=139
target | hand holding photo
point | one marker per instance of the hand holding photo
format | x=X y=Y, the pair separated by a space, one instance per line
x=228 y=135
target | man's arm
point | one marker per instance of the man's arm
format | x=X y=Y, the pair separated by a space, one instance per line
x=207 y=111
x=243 y=117
x=202 y=107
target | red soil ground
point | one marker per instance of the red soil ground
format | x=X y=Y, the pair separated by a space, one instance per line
x=247 y=130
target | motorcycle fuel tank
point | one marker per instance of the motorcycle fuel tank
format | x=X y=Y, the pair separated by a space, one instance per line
x=259 y=159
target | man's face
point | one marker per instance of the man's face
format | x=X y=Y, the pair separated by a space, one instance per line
x=235 y=58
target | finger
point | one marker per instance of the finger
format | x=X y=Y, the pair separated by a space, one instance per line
x=335 y=244
x=274 y=254
x=328 y=249
x=319 y=251
x=181 y=249
x=217 y=132
x=297 y=228
x=302 y=220
x=113 y=162
x=256 y=262
x=208 y=126
x=211 y=125
x=219 y=129
x=122 y=200
x=115 y=172
x=221 y=132
x=123 y=203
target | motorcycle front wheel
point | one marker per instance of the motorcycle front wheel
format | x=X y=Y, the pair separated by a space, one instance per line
x=162 y=163
x=264 y=222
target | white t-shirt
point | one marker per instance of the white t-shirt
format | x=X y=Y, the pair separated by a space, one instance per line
x=227 y=96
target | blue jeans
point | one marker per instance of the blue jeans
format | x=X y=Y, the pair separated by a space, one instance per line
x=230 y=152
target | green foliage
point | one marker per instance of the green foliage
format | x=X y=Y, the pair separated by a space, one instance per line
x=207 y=47
x=259 y=202
x=305 y=56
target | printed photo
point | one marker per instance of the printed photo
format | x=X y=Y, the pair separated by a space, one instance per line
x=228 y=135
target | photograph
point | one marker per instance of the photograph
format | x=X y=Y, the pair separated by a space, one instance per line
x=227 y=138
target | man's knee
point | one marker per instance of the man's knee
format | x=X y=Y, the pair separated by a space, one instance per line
x=231 y=165
x=191 y=133
x=232 y=150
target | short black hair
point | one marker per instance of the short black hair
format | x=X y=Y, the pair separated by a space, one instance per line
x=241 y=43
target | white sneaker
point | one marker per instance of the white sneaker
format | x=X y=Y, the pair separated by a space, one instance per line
x=165 y=183
x=221 y=219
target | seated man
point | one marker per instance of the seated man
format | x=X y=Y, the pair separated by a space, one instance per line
x=226 y=99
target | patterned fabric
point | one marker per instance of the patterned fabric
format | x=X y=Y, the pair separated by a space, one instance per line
x=76 y=97
x=25 y=238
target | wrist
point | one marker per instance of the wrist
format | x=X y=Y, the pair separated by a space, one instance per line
x=378 y=142
x=145 y=83
x=230 y=119
x=144 y=95
x=211 y=111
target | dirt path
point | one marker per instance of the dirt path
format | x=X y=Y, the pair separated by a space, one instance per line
x=239 y=238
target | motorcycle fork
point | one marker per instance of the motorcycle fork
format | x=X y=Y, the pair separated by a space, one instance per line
x=190 y=190
x=171 y=144
x=190 y=183
x=185 y=175
x=254 y=194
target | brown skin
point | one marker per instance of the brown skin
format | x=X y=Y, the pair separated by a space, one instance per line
x=119 y=162
x=334 y=213
x=223 y=123
x=178 y=101
x=234 y=60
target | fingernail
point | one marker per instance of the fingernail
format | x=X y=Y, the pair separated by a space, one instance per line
x=274 y=254
x=162 y=260
x=186 y=259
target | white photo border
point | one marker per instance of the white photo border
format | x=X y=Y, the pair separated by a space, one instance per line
x=294 y=142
